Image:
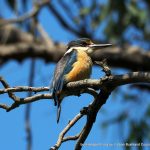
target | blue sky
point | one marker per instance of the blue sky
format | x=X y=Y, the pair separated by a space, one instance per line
x=45 y=130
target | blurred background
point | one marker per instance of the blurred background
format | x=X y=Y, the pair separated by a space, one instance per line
x=33 y=35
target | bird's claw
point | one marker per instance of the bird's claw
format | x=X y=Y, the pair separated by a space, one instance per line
x=84 y=110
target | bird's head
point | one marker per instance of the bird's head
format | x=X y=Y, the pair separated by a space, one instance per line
x=85 y=44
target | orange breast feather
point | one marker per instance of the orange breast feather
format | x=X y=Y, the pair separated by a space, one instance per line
x=81 y=69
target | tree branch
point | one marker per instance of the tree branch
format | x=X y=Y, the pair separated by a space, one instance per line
x=62 y=21
x=24 y=89
x=91 y=115
x=28 y=107
x=115 y=80
x=65 y=130
x=21 y=51
x=106 y=86
x=11 y=95
x=35 y=10
x=45 y=37
x=101 y=100
x=68 y=138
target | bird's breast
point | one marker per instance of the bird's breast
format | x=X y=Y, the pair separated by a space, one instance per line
x=81 y=69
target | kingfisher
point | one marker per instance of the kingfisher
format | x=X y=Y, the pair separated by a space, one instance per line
x=76 y=64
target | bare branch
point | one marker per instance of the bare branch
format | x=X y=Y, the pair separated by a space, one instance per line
x=22 y=51
x=62 y=21
x=106 y=86
x=112 y=81
x=115 y=80
x=91 y=115
x=10 y=34
x=67 y=9
x=29 y=100
x=25 y=46
x=35 y=10
x=11 y=95
x=4 y=106
x=19 y=101
x=46 y=39
x=28 y=107
x=105 y=67
x=101 y=99
x=68 y=138
x=65 y=130
x=24 y=89
x=90 y=91
x=109 y=84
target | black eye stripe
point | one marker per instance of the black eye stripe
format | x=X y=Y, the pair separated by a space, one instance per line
x=79 y=42
x=84 y=43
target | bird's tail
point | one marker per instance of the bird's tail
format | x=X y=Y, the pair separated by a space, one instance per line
x=58 y=112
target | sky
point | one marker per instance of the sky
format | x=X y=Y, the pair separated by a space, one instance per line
x=45 y=130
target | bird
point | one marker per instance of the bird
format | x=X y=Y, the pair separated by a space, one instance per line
x=76 y=64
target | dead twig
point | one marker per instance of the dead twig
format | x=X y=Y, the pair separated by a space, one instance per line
x=11 y=95
x=105 y=67
x=105 y=85
x=35 y=10
x=65 y=130
x=24 y=89
x=72 y=88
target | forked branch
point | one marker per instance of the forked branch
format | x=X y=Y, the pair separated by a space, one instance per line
x=106 y=85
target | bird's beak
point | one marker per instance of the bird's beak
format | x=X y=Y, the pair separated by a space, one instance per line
x=99 y=46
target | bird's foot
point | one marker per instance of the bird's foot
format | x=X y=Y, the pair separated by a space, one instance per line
x=84 y=111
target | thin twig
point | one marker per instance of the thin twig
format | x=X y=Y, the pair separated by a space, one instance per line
x=21 y=51
x=4 y=106
x=35 y=10
x=91 y=116
x=62 y=20
x=26 y=101
x=11 y=95
x=76 y=88
x=65 y=130
x=134 y=77
x=105 y=85
x=28 y=108
x=96 y=106
x=68 y=138
x=90 y=91
x=24 y=89
x=46 y=39
x=105 y=67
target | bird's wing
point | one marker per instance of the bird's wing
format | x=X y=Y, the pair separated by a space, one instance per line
x=63 y=67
